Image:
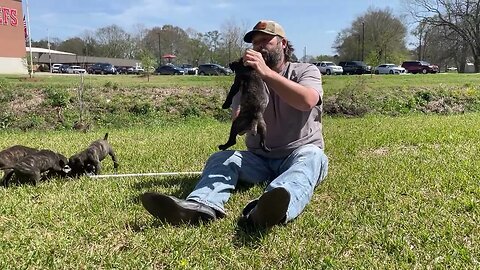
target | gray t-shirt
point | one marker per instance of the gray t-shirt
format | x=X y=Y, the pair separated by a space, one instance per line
x=287 y=127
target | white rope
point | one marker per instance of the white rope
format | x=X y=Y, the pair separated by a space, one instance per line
x=144 y=174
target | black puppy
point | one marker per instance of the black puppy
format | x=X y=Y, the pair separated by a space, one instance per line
x=88 y=161
x=11 y=155
x=253 y=101
x=31 y=167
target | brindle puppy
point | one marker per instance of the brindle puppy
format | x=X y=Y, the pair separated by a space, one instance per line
x=11 y=155
x=253 y=101
x=88 y=161
x=31 y=167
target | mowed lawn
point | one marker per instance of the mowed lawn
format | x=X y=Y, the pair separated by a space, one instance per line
x=401 y=193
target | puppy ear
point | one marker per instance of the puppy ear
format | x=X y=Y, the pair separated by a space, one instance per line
x=235 y=65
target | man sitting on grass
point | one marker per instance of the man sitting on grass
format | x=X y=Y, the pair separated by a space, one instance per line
x=296 y=163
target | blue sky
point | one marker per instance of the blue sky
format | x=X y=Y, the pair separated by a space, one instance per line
x=313 y=24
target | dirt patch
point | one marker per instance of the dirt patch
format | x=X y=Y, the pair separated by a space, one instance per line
x=28 y=79
x=22 y=104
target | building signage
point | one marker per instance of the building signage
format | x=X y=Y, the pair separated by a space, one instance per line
x=12 y=34
x=8 y=16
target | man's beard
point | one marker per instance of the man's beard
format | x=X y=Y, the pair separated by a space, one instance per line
x=272 y=58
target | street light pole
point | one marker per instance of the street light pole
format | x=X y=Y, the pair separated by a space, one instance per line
x=29 y=39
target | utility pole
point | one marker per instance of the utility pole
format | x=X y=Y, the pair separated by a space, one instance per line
x=159 y=50
x=363 y=39
x=49 y=53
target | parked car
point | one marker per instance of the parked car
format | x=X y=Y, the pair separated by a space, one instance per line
x=189 y=69
x=169 y=70
x=354 y=67
x=56 y=68
x=63 y=69
x=389 y=69
x=122 y=69
x=102 y=68
x=135 y=70
x=327 y=67
x=213 y=69
x=451 y=69
x=419 y=67
x=75 y=70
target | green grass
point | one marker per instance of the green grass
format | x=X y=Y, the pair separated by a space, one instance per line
x=333 y=84
x=401 y=193
x=122 y=81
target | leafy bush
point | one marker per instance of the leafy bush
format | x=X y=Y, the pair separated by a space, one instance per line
x=6 y=119
x=4 y=84
x=141 y=108
x=57 y=97
x=111 y=85
x=7 y=94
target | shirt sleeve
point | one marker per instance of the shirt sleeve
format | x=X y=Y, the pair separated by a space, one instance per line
x=309 y=76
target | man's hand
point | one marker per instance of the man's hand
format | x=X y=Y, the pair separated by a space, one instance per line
x=255 y=60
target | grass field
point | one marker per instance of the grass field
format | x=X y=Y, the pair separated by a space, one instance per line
x=402 y=193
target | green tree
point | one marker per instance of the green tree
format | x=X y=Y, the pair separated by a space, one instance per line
x=377 y=36
x=148 y=62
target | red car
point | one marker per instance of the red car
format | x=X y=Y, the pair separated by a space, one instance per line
x=419 y=67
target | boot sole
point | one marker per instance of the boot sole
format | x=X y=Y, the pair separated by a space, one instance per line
x=167 y=210
x=271 y=208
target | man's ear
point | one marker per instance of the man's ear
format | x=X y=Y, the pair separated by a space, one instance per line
x=284 y=43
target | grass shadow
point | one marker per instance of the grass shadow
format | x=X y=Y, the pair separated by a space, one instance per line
x=247 y=235
x=183 y=184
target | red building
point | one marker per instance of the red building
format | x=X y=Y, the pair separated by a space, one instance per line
x=12 y=38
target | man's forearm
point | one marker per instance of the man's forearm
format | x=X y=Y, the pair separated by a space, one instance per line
x=296 y=95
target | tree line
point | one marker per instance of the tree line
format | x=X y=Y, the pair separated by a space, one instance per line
x=446 y=33
x=217 y=46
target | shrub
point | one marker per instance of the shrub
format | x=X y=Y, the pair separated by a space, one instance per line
x=141 y=108
x=57 y=97
x=111 y=85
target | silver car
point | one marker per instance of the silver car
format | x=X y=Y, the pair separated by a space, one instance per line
x=389 y=69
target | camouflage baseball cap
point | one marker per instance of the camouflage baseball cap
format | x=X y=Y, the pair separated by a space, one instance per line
x=267 y=27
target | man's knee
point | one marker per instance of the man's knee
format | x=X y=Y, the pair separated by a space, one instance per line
x=226 y=158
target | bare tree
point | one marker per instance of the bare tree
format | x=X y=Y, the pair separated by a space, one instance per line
x=113 y=41
x=212 y=40
x=440 y=45
x=232 y=44
x=138 y=41
x=198 y=51
x=461 y=16
x=91 y=48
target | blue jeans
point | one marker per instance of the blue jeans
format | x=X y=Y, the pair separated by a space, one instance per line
x=299 y=173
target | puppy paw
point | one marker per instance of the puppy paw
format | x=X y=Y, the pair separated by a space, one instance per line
x=222 y=147
x=225 y=106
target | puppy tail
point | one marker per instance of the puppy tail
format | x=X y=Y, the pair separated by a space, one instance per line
x=106 y=136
